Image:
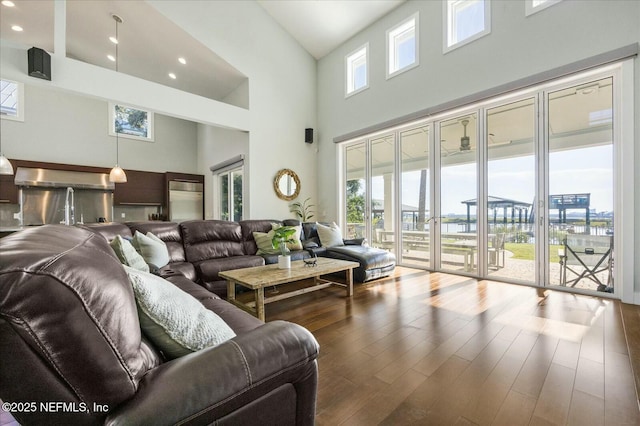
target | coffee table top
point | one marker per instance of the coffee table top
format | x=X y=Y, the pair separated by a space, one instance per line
x=268 y=275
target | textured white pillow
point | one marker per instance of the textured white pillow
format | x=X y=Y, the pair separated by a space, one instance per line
x=330 y=236
x=152 y=249
x=264 y=241
x=174 y=320
x=127 y=254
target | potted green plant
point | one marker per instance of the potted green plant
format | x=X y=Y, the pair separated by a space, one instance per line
x=281 y=237
x=302 y=210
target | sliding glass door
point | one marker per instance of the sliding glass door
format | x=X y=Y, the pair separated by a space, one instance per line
x=382 y=223
x=519 y=189
x=581 y=186
x=415 y=197
x=355 y=190
x=511 y=191
x=458 y=240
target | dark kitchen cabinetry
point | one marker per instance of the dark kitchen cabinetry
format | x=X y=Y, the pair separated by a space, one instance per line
x=8 y=190
x=141 y=189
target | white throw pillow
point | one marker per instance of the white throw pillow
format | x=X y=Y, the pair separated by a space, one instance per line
x=330 y=236
x=174 y=320
x=127 y=254
x=152 y=249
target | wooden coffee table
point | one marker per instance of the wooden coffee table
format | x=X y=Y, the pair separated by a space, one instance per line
x=259 y=277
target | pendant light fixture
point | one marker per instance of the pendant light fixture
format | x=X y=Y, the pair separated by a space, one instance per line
x=5 y=165
x=117 y=175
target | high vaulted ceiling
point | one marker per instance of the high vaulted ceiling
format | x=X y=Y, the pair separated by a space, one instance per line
x=151 y=44
x=322 y=25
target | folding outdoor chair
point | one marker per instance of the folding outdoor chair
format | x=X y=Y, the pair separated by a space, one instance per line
x=587 y=256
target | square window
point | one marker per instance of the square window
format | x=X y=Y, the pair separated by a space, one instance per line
x=465 y=21
x=130 y=122
x=357 y=74
x=533 y=6
x=402 y=46
x=11 y=100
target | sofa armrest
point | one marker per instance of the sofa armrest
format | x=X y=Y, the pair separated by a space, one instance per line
x=355 y=242
x=212 y=383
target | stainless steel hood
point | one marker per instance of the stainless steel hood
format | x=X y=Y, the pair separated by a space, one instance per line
x=26 y=176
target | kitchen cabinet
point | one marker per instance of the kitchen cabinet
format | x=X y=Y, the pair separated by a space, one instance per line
x=141 y=189
x=8 y=190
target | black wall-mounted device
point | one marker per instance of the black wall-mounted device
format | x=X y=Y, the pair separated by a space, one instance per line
x=308 y=135
x=39 y=63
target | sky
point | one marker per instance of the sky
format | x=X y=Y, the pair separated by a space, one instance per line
x=586 y=170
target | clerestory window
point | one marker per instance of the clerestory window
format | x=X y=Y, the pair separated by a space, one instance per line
x=402 y=46
x=534 y=6
x=12 y=100
x=465 y=21
x=357 y=72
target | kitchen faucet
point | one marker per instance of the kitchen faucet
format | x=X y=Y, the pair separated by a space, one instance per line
x=69 y=215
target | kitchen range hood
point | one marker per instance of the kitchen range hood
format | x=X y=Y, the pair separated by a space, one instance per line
x=50 y=178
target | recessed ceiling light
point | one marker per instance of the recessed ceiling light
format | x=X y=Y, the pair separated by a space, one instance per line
x=182 y=60
x=17 y=28
x=8 y=3
x=111 y=58
x=172 y=75
x=113 y=40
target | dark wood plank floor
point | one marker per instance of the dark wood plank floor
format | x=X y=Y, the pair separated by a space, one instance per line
x=432 y=348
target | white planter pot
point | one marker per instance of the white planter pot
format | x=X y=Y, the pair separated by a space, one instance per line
x=284 y=262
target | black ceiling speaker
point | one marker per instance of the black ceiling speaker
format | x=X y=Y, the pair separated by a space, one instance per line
x=308 y=135
x=39 y=63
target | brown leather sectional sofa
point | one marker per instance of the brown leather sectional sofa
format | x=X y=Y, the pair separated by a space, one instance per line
x=72 y=351
x=201 y=249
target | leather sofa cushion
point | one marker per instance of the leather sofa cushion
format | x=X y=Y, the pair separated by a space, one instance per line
x=211 y=239
x=368 y=257
x=188 y=286
x=99 y=330
x=169 y=232
x=208 y=269
x=295 y=255
x=183 y=268
x=310 y=231
x=219 y=287
x=109 y=230
x=239 y=320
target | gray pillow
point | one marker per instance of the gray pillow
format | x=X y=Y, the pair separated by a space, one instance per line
x=174 y=320
x=330 y=236
x=128 y=254
x=152 y=249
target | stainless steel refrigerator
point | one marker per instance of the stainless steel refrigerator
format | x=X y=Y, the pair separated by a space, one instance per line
x=185 y=201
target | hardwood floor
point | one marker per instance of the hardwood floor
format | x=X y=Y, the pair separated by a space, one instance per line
x=432 y=348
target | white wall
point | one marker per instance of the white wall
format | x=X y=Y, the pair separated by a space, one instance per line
x=61 y=127
x=282 y=91
x=101 y=83
x=216 y=145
